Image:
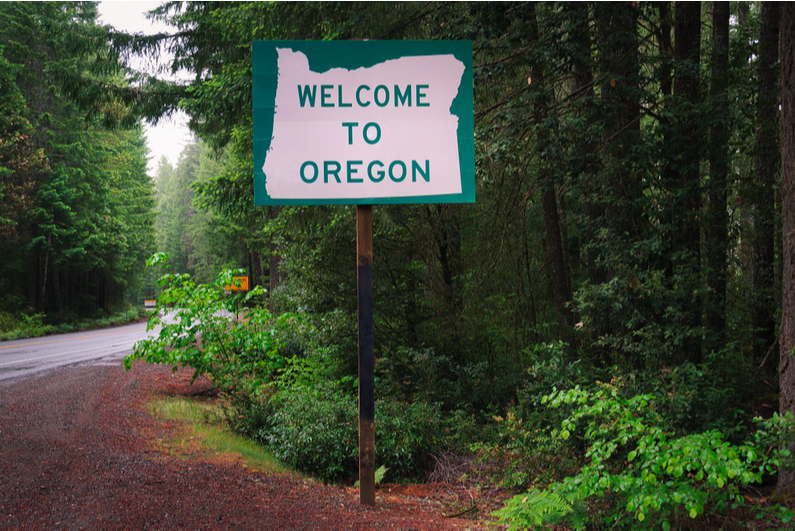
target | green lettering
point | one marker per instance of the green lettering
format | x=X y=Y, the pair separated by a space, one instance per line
x=377 y=133
x=379 y=174
x=350 y=126
x=358 y=99
x=415 y=169
x=306 y=94
x=404 y=98
x=352 y=170
x=331 y=167
x=339 y=99
x=303 y=172
x=421 y=94
x=385 y=92
x=392 y=174
x=324 y=96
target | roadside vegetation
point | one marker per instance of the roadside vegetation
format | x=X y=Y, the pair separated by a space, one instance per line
x=606 y=333
x=207 y=429
x=23 y=326
x=590 y=454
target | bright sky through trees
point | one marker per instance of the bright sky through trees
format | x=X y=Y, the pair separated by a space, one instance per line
x=170 y=135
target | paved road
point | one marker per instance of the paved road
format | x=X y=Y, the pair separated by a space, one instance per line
x=28 y=356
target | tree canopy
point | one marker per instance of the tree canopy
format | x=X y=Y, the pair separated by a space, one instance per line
x=76 y=208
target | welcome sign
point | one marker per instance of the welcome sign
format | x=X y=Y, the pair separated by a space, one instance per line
x=363 y=122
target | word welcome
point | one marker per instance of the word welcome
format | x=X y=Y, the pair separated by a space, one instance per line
x=363 y=96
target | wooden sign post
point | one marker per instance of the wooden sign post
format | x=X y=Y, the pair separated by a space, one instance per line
x=364 y=276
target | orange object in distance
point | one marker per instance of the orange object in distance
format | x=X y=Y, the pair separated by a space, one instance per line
x=243 y=284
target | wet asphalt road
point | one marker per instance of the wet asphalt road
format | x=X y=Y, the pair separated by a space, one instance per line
x=29 y=356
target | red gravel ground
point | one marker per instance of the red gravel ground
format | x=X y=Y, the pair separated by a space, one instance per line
x=77 y=451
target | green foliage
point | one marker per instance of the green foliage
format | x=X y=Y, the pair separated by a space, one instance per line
x=312 y=420
x=422 y=374
x=380 y=474
x=539 y=509
x=316 y=431
x=280 y=380
x=75 y=202
x=406 y=434
x=634 y=464
x=519 y=455
x=199 y=329
x=713 y=395
x=777 y=434
x=23 y=326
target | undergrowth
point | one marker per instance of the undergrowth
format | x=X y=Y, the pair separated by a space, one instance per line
x=23 y=326
x=618 y=455
x=284 y=384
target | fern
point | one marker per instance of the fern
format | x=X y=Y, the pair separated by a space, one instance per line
x=379 y=475
x=539 y=509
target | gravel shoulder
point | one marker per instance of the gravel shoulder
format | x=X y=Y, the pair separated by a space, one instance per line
x=77 y=452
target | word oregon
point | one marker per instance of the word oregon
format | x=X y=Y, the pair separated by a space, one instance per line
x=354 y=171
x=364 y=96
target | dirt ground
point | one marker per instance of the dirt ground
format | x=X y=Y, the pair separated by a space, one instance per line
x=77 y=451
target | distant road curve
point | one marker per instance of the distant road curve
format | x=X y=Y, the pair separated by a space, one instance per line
x=29 y=356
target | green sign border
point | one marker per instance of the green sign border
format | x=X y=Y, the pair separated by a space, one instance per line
x=325 y=55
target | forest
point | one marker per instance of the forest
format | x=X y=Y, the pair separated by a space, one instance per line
x=76 y=205
x=606 y=332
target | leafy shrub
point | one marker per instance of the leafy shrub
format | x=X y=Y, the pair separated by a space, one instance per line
x=517 y=448
x=23 y=326
x=405 y=434
x=695 y=398
x=283 y=379
x=549 y=368
x=316 y=431
x=521 y=454
x=639 y=471
x=200 y=333
x=412 y=375
x=8 y=321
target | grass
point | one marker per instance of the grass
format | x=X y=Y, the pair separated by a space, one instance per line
x=205 y=428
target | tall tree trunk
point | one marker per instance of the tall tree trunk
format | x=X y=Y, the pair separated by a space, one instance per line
x=786 y=480
x=666 y=48
x=618 y=183
x=687 y=38
x=619 y=68
x=56 y=287
x=546 y=143
x=681 y=178
x=561 y=288
x=717 y=227
x=582 y=88
x=767 y=167
x=42 y=261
